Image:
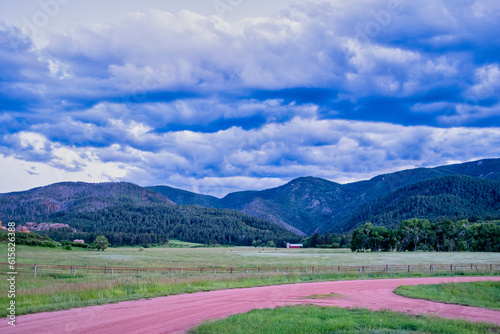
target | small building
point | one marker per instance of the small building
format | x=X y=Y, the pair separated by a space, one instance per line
x=78 y=241
x=289 y=245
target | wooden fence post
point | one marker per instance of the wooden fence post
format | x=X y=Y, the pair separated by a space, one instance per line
x=409 y=270
x=231 y=270
x=111 y=271
x=35 y=270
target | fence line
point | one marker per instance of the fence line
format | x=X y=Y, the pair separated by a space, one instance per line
x=40 y=269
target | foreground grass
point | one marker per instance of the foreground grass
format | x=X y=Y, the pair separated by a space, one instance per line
x=58 y=292
x=480 y=294
x=315 y=319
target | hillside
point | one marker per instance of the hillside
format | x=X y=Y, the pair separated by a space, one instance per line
x=454 y=197
x=306 y=205
x=146 y=224
x=129 y=214
x=183 y=197
x=303 y=206
x=39 y=204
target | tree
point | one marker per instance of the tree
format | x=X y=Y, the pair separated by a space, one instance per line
x=413 y=232
x=271 y=244
x=361 y=237
x=101 y=243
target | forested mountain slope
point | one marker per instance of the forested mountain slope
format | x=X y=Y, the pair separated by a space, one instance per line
x=303 y=206
x=309 y=204
x=129 y=214
x=454 y=197
x=39 y=204
x=146 y=224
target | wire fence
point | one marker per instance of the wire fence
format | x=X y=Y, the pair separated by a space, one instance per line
x=46 y=269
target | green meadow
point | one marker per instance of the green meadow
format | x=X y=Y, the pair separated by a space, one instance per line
x=479 y=294
x=312 y=319
x=51 y=291
x=195 y=256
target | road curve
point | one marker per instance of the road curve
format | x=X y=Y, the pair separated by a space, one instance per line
x=177 y=314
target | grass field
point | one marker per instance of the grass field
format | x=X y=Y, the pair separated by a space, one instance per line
x=236 y=257
x=61 y=291
x=315 y=319
x=480 y=294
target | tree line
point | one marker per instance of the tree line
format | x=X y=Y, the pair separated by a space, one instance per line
x=420 y=234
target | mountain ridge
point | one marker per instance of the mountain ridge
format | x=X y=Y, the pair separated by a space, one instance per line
x=304 y=205
x=326 y=203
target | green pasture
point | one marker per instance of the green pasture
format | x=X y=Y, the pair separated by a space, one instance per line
x=312 y=319
x=480 y=294
x=196 y=257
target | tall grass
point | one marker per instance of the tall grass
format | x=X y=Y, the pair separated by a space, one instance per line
x=480 y=294
x=315 y=319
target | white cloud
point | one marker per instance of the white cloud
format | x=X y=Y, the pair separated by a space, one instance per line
x=200 y=101
x=488 y=83
x=237 y=159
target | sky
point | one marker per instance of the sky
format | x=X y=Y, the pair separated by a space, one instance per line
x=217 y=96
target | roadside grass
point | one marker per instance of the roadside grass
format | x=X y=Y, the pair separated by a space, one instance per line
x=480 y=294
x=316 y=319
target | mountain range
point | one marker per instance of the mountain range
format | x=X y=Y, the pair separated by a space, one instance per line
x=307 y=205
x=303 y=206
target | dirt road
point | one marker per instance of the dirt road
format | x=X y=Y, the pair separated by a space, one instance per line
x=177 y=314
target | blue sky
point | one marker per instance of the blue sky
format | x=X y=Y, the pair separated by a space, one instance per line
x=221 y=96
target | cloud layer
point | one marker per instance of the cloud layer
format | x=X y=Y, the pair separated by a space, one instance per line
x=324 y=88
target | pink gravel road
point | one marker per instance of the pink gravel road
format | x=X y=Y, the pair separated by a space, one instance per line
x=177 y=314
